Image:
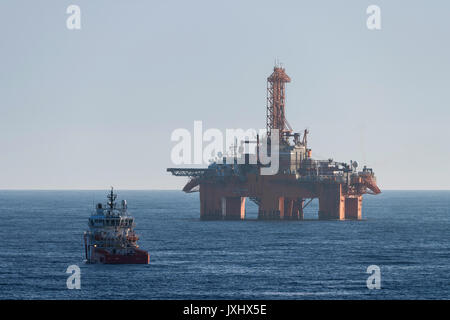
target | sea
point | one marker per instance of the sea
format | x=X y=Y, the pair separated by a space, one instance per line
x=406 y=234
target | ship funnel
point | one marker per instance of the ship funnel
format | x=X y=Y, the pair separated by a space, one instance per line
x=99 y=208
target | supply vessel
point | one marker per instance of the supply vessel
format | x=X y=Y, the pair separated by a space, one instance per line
x=111 y=238
x=226 y=184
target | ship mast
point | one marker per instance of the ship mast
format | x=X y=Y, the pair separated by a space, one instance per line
x=112 y=200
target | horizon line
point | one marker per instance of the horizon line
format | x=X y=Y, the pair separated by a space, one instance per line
x=125 y=189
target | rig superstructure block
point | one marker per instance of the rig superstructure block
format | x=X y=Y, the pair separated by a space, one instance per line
x=224 y=187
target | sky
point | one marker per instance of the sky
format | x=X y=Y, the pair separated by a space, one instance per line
x=90 y=108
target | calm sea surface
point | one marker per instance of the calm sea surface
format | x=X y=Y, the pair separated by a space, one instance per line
x=405 y=233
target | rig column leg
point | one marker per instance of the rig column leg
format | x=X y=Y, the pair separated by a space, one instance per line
x=269 y=208
x=281 y=207
x=297 y=209
x=234 y=208
x=301 y=203
x=288 y=206
x=353 y=206
x=210 y=203
x=332 y=203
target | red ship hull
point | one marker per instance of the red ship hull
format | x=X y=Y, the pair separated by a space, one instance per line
x=139 y=257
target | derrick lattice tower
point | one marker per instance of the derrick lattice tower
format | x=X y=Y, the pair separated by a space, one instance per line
x=276 y=101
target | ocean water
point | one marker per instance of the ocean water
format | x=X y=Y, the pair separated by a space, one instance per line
x=405 y=233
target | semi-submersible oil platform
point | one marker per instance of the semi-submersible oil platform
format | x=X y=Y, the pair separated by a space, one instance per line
x=225 y=186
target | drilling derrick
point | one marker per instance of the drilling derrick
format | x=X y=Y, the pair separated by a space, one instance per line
x=276 y=100
x=224 y=187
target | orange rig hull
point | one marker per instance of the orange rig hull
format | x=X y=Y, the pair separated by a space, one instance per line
x=280 y=197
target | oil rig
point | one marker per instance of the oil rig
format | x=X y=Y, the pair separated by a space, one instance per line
x=225 y=185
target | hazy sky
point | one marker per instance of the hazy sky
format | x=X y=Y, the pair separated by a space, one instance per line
x=96 y=107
